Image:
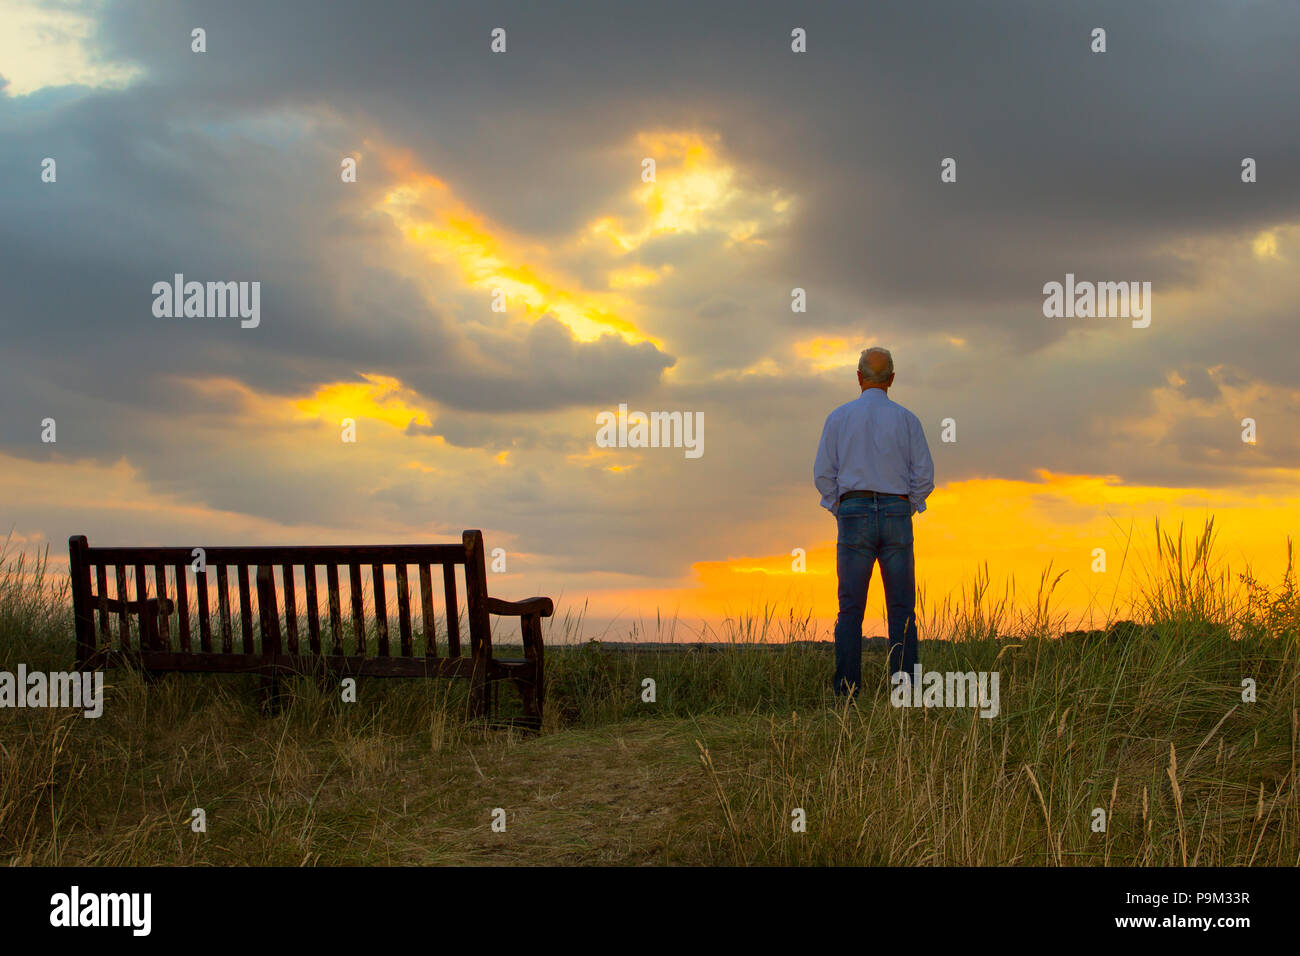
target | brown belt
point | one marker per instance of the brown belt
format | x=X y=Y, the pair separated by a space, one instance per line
x=872 y=494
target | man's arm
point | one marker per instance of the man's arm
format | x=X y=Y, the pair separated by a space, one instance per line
x=920 y=471
x=826 y=468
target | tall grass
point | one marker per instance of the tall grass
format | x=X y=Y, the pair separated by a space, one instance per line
x=1144 y=721
x=1131 y=746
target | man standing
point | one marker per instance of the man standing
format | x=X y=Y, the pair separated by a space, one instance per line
x=874 y=472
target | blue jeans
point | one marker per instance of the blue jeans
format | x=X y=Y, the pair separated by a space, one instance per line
x=871 y=530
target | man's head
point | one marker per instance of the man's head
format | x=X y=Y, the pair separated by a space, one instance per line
x=875 y=369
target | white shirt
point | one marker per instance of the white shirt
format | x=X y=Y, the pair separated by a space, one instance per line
x=873 y=444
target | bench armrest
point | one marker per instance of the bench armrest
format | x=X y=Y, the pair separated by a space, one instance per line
x=532 y=605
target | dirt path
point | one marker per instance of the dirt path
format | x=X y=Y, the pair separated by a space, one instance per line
x=627 y=794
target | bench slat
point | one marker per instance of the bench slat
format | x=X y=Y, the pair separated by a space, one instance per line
x=245 y=611
x=336 y=608
x=313 y=611
x=142 y=595
x=223 y=608
x=381 y=607
x=426 y=609
x=182 y=606
x=290 y=606
x=205 y=623
x=124 y=619
x=453 y=611
x=267 y=610
x=358 y=611
x=403 y=608
x=164 y=620
x=101 y=592
x=153 y=605
x=288 y=663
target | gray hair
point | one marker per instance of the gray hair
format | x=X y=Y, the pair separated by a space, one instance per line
x=874 y=377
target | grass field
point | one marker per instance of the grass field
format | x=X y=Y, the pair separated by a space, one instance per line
x=1147 y=723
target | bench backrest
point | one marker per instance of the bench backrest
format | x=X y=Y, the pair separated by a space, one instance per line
x=104 y=606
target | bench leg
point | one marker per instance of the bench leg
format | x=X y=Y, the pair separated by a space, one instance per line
x=272 y=698
x=479 y=692
x=535 y=701
x=530 y=694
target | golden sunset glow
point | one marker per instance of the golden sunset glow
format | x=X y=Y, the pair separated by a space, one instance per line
x=637 y=276
x=694 y=189
x=489 y=259
x=379 y=397
x=823 y=353
x=1265 y=245
x=965 y=526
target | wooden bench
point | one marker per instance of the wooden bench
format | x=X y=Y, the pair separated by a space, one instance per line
x=164 y=638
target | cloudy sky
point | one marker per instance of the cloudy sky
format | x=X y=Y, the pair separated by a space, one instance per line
x=517 y=178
